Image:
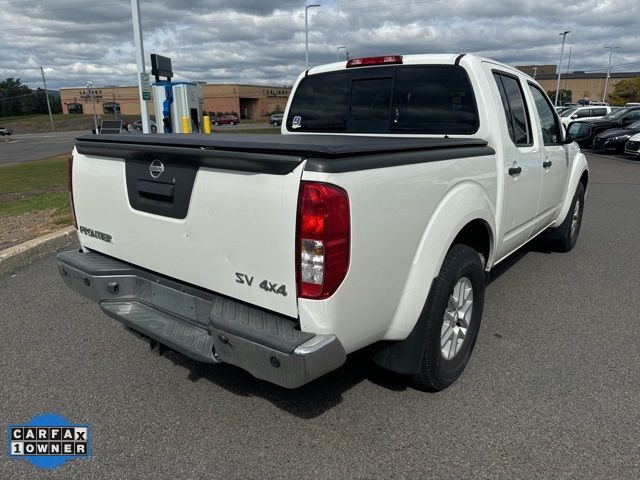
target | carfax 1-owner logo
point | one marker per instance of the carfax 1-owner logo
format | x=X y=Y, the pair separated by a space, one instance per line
x=48 y=441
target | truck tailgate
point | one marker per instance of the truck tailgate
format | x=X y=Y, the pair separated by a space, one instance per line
x=223 y=221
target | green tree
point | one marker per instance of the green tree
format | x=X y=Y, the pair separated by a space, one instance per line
x=626 y=91
x=17 y=99
x=12 y=94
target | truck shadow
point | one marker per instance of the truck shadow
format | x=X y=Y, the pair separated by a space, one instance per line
x=323 y=394
x=306 y=402
x=537 y=245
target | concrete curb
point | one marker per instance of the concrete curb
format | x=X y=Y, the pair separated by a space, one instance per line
x=33 y=250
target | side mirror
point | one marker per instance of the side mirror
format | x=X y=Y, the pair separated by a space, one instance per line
x=574 y=116
x=577 y=132
x=626 y=120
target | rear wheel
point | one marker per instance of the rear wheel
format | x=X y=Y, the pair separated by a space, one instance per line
x=453 y=313
x=564 y=237
x=232 y=123
x=215 y=123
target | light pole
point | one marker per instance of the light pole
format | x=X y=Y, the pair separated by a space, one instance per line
x=606 y=80
x=566 y=77
x=338 y=52
x=46 y=92
x=90 y=89
x=139 y=48
x=306 y=32
x=535 y=71
x=564 y=35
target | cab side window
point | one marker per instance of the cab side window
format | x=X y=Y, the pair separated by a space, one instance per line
x=515 y=108
x=548 y=120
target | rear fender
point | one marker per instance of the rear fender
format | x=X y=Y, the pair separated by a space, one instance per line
x=463 y=204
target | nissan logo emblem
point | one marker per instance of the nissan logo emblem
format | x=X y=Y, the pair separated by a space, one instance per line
x=156 y=168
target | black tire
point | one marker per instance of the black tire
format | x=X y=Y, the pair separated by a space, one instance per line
x=215 y=123
x=563 y=238
x=154 y=129
x=437 y=372
x=232 y=123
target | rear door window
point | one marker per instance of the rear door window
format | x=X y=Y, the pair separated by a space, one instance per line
x=548 y=122
x=511 y=93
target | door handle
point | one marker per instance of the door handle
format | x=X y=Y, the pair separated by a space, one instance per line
x=547 y=164
x=515 y=171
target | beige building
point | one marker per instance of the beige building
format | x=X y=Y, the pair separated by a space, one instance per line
x=251 y=102
x=587 y=86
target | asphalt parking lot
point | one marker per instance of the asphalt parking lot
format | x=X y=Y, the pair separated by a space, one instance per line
x=36 y=146
x=552 y=390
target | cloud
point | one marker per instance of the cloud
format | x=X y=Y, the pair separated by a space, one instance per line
x=253 y=41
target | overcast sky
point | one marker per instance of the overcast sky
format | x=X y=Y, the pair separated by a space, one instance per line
x=263 y=41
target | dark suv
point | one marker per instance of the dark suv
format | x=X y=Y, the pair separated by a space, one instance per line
x=588 y=129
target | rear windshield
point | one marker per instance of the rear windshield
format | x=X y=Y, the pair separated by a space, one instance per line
x=431 y=99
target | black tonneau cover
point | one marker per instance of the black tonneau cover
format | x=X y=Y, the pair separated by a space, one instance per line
x=280 y=154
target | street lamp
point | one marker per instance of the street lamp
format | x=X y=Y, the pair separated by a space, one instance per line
x=566 y=77
x=338 y=52
x=606 y=80
x=93 y=103
x=564 y=34
x=306 y=32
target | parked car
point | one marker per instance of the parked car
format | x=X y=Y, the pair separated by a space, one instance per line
x=374 y=220
x=633 y=145
x=583 y=113
x=225 y=120
x=137 y=126
x=588 y=129
x=276 y=119
x=632 y=104
x=5 y=131
x=615 y=138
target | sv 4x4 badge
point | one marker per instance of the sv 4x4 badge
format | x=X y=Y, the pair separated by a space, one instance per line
x=267 y=286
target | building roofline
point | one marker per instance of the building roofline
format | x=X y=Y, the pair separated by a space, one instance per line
x=575 y=75
x=96 y=87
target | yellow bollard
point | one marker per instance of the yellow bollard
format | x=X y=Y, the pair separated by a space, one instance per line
x=186 y=128
x=206 y=124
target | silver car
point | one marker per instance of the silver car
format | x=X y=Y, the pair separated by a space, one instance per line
x=276 y=119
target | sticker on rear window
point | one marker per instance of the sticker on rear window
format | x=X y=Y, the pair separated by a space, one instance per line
x=296 y=122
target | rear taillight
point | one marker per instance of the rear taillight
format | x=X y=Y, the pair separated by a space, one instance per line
x=322 y=240
x=368 y=61
x=70 y=189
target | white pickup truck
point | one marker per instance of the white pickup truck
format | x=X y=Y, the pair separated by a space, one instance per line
x=397 y=184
